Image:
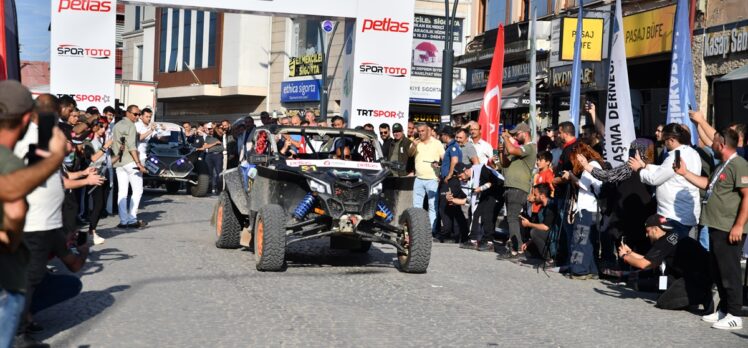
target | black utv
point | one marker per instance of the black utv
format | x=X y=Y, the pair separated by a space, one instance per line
x=334 y=184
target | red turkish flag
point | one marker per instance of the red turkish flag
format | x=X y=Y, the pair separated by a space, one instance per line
x=489 y=113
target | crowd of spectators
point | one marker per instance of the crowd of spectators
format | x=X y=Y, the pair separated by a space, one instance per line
x=676 y=210
x=674 y=214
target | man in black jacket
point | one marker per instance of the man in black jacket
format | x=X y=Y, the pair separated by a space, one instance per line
x=485 y=186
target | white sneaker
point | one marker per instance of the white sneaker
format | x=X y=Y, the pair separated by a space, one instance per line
x=729 y=322
x=98 y=240
x=714 y=317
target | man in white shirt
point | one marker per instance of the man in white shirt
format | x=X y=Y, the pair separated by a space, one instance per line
x=677 y=199
x=482 y=147
x=145 y=130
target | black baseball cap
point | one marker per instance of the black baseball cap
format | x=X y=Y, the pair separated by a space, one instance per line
x=92 y=110
x=397 y=128
x=657 y=220
x=460 y=167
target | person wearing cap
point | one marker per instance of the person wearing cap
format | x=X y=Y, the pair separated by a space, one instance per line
x=684 y=261
x=518 y=162
x=16 y=109
x=451 y=200
x=725 y=213
x=129 y=169
x=485 y=187
x=399 y=149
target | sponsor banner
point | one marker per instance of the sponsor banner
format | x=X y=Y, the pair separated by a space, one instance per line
x=77 y=55
x=333 y=163
x=300 y=91
x=592 y=39
x=308 y=65
x=428 y=45
x=726 y=42
x=382 y=63
x=619 y=121
x=649 y=32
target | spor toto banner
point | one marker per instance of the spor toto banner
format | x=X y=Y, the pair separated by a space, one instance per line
x=82 y=51
x=382 y=63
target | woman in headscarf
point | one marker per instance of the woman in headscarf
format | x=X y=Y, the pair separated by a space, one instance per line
x=629 y=202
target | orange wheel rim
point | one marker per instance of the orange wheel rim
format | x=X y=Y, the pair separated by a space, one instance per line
x=259 y=237
x=219 y=221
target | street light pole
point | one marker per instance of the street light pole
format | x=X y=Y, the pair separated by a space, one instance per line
x=448 y=56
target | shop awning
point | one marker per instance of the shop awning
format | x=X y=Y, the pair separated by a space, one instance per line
x=737 y=74
x=511 y=98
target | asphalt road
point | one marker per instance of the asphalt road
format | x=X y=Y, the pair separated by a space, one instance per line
x=168 y=286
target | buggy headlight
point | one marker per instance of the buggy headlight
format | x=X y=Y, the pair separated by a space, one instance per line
x=319 y=186
x=376 y=189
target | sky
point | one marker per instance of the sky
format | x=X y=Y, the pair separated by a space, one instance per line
x=33 y=22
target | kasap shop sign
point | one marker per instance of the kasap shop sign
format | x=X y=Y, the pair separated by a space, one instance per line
x=725 y=42
x=78 y=55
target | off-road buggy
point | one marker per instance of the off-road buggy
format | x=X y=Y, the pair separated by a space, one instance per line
x=172 y=160
x=272 y=201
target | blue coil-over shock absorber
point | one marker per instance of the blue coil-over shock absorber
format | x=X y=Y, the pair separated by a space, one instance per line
x=304 y=206
x=382 y=208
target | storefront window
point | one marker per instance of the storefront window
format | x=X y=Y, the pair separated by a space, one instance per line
x=496 y=13
x=308 y=41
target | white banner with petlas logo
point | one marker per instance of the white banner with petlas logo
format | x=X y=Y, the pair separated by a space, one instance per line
x=82 y=57
x=382 y=63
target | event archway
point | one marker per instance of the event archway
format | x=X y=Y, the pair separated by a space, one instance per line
x=379 y=34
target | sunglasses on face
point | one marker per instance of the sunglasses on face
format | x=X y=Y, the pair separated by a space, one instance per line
x=136 y=113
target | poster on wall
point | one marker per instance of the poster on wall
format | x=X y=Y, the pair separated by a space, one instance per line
x=75 y=57
x=428 y=45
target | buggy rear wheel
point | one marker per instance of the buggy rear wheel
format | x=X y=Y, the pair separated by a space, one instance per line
x=228 y=227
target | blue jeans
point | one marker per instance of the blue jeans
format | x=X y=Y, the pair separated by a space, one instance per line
x=582 y=260
x=11 y=306
x=426 y=188
x=704 y=237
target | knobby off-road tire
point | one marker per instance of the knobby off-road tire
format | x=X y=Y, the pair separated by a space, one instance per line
x=417 y=241
x=172 y=187
x=270 y=238
x=228 y=227
x=203 y=180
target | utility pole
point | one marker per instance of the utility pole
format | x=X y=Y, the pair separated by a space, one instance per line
x=324 y=30
x=448 y=56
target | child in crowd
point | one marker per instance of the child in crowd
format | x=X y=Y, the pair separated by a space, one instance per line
x=543 y=176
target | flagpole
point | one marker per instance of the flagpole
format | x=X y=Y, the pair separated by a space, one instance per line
x=576 y=72
x=533 y=73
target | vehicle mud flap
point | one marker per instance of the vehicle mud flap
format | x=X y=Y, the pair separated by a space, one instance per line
x=417 y=241
x=270 y=238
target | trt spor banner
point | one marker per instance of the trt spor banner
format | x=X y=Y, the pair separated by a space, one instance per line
x=381 y=68
x=82 y=51
x=619 y=120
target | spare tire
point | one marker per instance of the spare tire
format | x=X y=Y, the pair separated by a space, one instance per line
x=228 y=227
